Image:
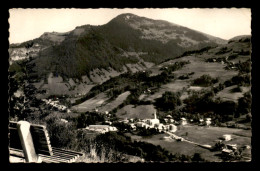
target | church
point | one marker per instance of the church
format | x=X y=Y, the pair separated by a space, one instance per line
x=155 y=121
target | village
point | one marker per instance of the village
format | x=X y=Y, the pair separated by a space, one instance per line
x=166 y=126
x=169 y=127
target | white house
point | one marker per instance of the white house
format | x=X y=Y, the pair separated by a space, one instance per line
x=183 y=121
x=227 y=137
x=64 y=120
x=172 y=128
x=160 y=127
x=132 y=125
x=171 y=120
x=208 y=121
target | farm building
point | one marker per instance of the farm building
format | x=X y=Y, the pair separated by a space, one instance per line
x=101 y=128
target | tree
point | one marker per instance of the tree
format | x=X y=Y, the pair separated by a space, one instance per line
x=244 y=103
x=168 y=101
x=197 y=158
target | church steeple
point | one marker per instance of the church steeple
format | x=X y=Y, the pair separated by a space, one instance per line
x=155 y=117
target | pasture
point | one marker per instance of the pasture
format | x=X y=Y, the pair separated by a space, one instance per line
x=201 y=135
x=113 y=104
x=141 y=112
x=91 y=104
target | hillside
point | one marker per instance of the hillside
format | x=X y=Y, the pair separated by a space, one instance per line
x=80 y=51
x=221 y=75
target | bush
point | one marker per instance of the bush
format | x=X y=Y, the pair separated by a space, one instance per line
x=62 y=135
x=240 y=80
x=244 y=103
x=88 y=118
x=236 y=89
x=204 y=81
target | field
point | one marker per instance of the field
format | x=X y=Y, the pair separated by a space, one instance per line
x=91 y=104
x=141 y=112
x=225 y=94
x=113 y=104
x=201 y=135
x=196 y=65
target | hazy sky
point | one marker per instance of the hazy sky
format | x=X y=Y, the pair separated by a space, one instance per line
x=27 y=24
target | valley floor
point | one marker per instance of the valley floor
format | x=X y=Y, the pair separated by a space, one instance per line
x=201 y=135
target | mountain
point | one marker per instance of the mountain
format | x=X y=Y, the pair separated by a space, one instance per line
x=127 y=42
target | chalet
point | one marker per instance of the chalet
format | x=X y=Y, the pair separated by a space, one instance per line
x=208 y=121
x=201 y=122
x=183 y=121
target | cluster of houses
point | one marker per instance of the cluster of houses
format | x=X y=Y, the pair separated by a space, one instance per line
x=224 y=60
x=230 y=149
x=153 y=123
x=205 y=122
x=168 y=125
x=56 y=105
